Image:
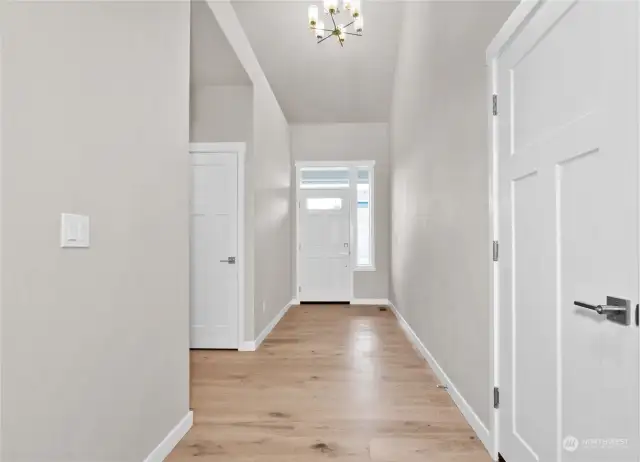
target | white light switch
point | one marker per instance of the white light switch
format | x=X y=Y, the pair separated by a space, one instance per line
x=74 y=230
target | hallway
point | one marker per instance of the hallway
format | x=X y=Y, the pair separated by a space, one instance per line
x=329 y=382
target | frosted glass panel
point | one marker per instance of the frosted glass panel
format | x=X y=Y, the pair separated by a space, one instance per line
x=324 y=203
x=364 y=222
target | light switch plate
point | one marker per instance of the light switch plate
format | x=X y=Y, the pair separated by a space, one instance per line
x=74 y=230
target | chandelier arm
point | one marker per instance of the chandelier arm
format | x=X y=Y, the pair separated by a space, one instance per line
x=325 y=38
x=349 y=24
x=341 y=44
x=334 y=22
x=351 y=33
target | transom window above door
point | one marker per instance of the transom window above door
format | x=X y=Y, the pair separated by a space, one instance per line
x=324 y=178
x=357 y=177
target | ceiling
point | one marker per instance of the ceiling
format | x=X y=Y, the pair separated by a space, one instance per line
x=213 y=61
x=324 y=83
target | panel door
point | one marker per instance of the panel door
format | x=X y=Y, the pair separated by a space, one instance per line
x=325 y=245
x=568 y=225
x=214 y=243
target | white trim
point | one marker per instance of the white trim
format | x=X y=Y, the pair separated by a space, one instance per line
x=508 y=31
x=364 y=268
x=239 y=149
x=370 y=301
x=2 y=161
x=170 y=441
x=337 y=163
x=254 y=345
x=520 y=15
x=249 y=345
x=297 y=208
x=369 y=164
x=638 y=95
x=494 y=267
x=353 y=205
x=472 y=418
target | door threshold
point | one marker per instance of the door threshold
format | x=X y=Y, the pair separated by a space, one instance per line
x=326 y=303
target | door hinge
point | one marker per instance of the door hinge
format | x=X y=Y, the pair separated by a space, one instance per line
x=495 y=105
x=298 y=204
x=496 y=398
x=637 y=315
x=299 y=288
x=496 y=250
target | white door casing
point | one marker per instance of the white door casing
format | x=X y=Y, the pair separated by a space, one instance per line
x=215 y=304
x=325 y=245
x=568 y=213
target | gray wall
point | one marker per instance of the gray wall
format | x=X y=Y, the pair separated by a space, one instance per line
x=221 y=113
x=268 y=217
x=271 y=178
x=440 y=221
x=252 y=114
x=94 y=341
x=225 y=114
x=347 y=142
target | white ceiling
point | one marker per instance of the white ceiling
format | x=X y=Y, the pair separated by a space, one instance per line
x=213 y=61
x=324 y=83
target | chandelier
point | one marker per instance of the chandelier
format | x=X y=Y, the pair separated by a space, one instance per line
x=340 y=31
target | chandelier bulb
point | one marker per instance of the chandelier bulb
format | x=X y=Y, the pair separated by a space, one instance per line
x=319 y=30
x=355 y=8
x=313 y=16
x=331 y=6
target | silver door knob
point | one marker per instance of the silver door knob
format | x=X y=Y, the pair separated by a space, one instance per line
x=230 y=260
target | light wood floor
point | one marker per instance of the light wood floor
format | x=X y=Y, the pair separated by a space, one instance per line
x=330 y=382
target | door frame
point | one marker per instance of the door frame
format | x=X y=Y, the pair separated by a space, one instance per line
x=509 y=31
x=520 y=15
x=239 y=149
x=353 y=204
x=1 y=215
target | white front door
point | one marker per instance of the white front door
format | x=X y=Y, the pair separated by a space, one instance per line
x=324 y=245
x=214 y=242
x=568 y=228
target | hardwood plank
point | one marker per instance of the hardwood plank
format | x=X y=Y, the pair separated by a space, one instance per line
x=329 y=382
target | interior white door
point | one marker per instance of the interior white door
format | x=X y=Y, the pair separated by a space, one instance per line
x=214 y=242
x=324 y=246
x=568 y=226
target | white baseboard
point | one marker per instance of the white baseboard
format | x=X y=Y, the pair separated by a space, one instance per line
x=253 y=346
x=247 y=346
x=162 y=451
x=472 y=418
x=370 y=301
